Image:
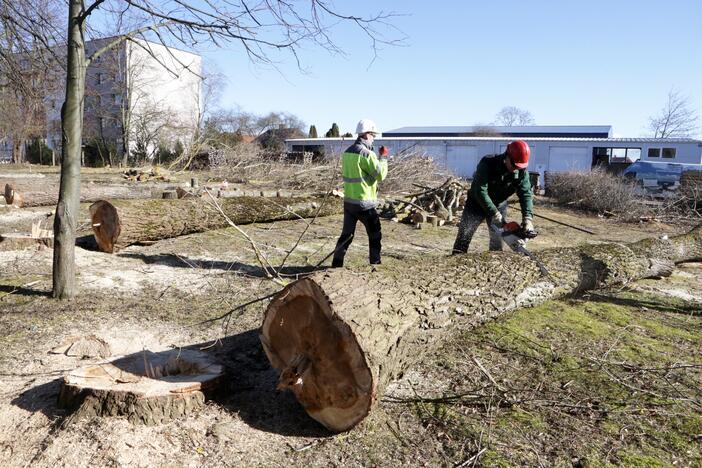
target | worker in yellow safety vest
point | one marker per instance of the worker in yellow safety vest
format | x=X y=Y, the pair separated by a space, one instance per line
x=362 y=170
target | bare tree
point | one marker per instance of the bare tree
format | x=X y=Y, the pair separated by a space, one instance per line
x=510 y=115
x=260 y=29
x=676 y=119
x=24 y=74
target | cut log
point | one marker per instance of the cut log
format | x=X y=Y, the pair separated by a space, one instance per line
x=120 y=223
x=148 y=388
x=338 y=337
x=21 y=241
x=88 y=193
x=12 y=197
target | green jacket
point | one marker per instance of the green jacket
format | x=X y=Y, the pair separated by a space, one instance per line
x=362 y=170
x=492 y=185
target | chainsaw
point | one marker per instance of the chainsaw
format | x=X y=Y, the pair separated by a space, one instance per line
x=514 y=235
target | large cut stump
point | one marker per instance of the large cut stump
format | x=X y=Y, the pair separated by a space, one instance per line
x=120 y=223
x=149 y=388
x=338 y=337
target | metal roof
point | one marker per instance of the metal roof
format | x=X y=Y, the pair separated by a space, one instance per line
x=507 y=129
x=496 y=138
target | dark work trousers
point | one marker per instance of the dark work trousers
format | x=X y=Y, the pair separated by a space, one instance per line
x=473 y=215
x=371 y=220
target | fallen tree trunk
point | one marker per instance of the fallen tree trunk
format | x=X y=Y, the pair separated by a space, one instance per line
x=120 y=223
x=338 y=337
x=88 y=193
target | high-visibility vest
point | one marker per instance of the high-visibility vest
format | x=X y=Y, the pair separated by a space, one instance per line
x=362 y=170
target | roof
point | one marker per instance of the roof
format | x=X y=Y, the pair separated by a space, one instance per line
x=503 y=138
x=507 y=129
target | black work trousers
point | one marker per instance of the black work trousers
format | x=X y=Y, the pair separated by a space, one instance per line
x=473 y=215
x=371 y=220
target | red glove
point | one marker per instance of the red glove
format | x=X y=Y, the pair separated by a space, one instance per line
x=383 y=151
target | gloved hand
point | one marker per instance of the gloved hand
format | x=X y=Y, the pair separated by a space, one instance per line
x=383 y=152
x=528 y=226
x=497 y=220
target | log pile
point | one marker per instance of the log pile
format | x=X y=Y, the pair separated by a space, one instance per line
x=153 y=174
x=338 y=337
x=431 y=205
x=119 y=223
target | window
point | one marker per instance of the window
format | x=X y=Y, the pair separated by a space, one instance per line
x=633 y=154
x=654 y=152
x=618 y=155
x=669 y=153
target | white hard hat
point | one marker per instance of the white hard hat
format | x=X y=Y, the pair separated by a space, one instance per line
x=366 y=126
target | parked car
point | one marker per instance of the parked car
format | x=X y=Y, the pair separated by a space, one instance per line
x=657 y=176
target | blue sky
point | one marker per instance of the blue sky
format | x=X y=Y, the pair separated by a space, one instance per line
x=567 y=62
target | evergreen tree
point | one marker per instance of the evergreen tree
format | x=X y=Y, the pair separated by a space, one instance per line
x=335 y=130
x=313 y=132
x=328 y=134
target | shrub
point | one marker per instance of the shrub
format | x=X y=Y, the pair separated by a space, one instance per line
x=596 y=191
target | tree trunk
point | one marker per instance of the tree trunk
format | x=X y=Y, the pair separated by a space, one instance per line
x=338 y=337
x=120 y=223
x=65 y=222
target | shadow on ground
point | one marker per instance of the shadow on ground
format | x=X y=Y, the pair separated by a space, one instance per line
x=179 y=261
x=248 y=390
x=6 y=289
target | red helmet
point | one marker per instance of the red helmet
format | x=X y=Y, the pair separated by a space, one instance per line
x=518 y=152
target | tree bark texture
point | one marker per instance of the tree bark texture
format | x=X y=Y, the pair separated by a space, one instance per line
x=67 y=208
x=147 y=388
x=120 y=223
x=88 y=192
x=338 y=337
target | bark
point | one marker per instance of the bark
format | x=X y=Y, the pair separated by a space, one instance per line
x=67 y=209
x=88 y=193
x=338 y=337
x=120 y=223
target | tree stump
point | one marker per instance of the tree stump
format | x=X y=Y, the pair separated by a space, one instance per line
x=338 y=337
x=147 y=388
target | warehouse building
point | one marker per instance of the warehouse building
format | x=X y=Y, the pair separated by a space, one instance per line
x=554 y=148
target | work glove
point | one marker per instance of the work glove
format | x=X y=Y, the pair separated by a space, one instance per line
x=497 y=220
x=528 y=226
x=383 y=152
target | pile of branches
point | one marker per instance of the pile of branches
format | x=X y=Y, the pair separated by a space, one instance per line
x=686 y=204
x=596 y=191
x=407 y=169
x=440 y=203
x=138 y=175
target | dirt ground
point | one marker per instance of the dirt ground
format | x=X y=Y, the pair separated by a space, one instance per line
x=608 y=378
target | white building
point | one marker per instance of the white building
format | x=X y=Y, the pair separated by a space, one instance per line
x=138 y=95
x=584 y=147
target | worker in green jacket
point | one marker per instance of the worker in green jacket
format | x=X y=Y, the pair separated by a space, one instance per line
x=362 y=170
x=496 y=179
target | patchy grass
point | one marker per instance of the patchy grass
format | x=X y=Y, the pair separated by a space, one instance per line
x=582 y=382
